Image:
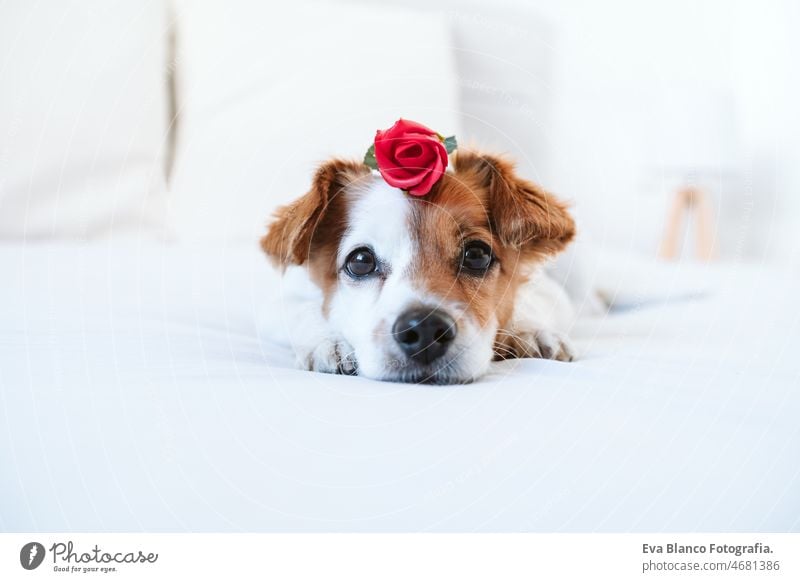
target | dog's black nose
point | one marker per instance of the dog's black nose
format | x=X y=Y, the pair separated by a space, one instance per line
x=424 y=334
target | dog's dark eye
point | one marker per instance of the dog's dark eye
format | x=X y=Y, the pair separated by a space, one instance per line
x=360 y=262
x=477 y=256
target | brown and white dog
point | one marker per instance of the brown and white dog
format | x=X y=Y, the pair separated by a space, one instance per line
x=421 y=289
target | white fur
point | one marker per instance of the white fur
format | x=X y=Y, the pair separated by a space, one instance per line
x=543 y=315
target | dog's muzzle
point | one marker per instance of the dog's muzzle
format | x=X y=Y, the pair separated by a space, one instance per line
x=423 y=334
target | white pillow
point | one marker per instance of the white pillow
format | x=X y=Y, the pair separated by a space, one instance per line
x=265 y=94
x=504 y=55
x=83 y=115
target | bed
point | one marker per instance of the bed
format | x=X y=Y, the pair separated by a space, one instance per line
x=137 y=393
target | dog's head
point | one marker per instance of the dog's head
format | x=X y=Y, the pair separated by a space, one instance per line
x=420 y=287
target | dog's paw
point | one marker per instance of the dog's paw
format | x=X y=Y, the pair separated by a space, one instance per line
x=330 y=356
x=544 y=344
x=552 y=346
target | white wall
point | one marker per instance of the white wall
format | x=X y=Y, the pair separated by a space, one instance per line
x=768 y=87
x=632 y=74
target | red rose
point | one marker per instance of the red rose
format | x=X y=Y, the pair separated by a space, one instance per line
x=410 y=156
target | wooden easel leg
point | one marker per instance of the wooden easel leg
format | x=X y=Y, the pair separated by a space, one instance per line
x=687 y=200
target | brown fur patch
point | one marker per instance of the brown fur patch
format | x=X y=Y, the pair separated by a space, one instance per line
x=524 y=215
x=485 y=200
x=309 y=229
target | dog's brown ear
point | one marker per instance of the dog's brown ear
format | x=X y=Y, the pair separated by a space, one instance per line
x=523 y=215
x=314 y=219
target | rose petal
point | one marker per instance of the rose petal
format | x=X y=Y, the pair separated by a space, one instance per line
x=405 y=126
x=409 y=150
x=403 y=182
x=427 y=183
x=425 y=159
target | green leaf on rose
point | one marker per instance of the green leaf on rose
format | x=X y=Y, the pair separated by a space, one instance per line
x=369 y=158
x=450 y=144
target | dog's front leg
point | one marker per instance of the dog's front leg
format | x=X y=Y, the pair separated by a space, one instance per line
x=544 y=344
x=538 y=328
x=295 y=319
x=331 y=355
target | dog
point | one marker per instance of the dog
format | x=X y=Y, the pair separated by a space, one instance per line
x=425 y=289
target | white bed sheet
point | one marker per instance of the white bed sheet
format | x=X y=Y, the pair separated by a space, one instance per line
x=136 y=394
